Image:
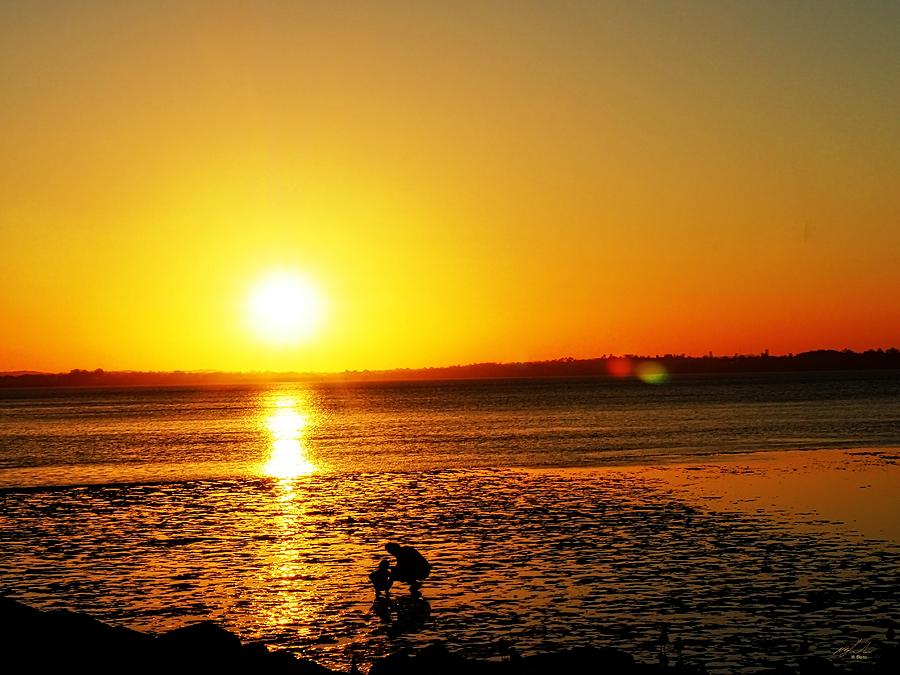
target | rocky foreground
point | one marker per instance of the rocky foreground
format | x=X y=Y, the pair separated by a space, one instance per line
x=34 y=641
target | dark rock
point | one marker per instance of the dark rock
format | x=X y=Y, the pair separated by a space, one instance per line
x=303 y=666
x=35 y=641
x=780 y=668
x=580 y=660
x=816 y=665
x=889 y=659
x=434 y=660
x=205 y=639
x=63 y=639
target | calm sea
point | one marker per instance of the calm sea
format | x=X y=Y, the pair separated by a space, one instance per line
x=265 y=508
x=82 y=436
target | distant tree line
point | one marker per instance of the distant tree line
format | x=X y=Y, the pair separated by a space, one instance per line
x=126 y=378
x=609 y=365
x=604 y=366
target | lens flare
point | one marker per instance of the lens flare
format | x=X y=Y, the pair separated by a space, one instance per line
x=619 y=367
x=652 y=372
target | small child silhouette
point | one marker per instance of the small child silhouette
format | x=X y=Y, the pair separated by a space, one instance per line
x=381 y=577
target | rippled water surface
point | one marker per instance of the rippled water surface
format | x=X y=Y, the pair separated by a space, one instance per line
x=267 y=508
x=142 y=434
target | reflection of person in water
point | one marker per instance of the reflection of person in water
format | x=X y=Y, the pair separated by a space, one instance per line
x=408 y=614
x=382 y=608
x=413 y=612
x=381 y=578
x=411 y=566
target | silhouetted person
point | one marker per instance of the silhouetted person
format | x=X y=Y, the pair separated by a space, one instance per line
x=411 y=566
x=381 y=577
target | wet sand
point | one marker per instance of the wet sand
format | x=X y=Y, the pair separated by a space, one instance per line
x=855 y=491
x=745 y=572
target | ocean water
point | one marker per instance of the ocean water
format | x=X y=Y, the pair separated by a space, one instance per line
x=79 y=436
x=265 y=509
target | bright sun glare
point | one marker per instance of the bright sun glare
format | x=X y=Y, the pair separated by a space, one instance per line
x=284 y=308
x=286 y=424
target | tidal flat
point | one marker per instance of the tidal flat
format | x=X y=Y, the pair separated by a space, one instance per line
x=535 y=559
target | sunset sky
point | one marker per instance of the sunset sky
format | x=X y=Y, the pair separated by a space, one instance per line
x=457 y=182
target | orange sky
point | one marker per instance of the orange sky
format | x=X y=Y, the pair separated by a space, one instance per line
x=463 y=182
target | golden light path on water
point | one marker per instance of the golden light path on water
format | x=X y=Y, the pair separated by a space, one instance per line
x=285 y=420
x=285 y=417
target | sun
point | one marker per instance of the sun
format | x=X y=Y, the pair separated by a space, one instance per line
x=284 y=308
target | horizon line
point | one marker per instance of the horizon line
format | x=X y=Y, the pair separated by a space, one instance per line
x=559 y=360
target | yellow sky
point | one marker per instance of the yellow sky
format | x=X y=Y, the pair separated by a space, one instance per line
x=463 y=182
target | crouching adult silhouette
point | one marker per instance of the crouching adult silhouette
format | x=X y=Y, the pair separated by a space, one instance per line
x=411 y=567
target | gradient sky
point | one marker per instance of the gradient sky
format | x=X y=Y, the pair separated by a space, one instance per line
x=463 y=181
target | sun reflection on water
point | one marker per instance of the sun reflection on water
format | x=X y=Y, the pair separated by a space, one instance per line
x=285 y=420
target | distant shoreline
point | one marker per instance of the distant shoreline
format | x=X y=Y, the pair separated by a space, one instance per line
x=649 y=368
